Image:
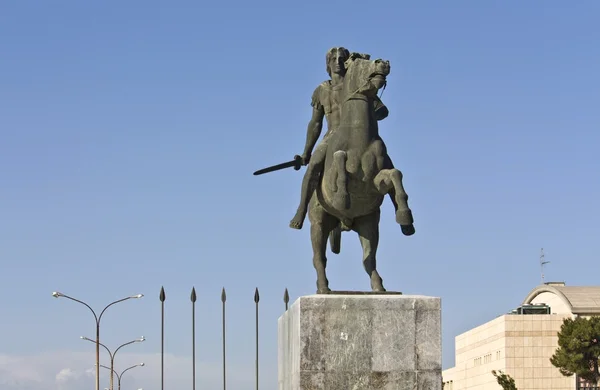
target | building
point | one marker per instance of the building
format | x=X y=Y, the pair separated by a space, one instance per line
x=521 y=342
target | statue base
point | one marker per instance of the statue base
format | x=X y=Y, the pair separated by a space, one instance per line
x=361 y=342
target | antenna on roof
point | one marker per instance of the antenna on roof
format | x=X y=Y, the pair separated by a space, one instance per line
x=542 y=263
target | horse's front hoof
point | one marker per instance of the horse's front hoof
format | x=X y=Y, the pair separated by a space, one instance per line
x=408 y=230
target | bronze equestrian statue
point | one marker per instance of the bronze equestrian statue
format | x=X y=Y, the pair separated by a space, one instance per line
x=350 y=173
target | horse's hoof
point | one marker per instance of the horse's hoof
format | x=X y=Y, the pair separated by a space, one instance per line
x=322 y=285
x=377 y=283
x=323 y=290
x=408 y=230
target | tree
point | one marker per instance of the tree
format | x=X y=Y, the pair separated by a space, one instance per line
x=504 y=380
x=578 y=348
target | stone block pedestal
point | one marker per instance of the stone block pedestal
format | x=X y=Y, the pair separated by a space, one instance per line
x=361 y=342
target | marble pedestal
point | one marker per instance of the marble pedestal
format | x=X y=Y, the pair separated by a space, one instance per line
x=361 y=342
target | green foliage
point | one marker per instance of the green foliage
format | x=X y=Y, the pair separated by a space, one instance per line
x=578 y=348
x=504 y=380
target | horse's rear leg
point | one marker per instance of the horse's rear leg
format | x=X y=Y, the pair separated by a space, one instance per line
x=341 y=199
x=321 y=224
x=367 y=228
x=390 y=180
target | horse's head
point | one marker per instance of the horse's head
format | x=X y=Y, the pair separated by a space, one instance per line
x=365 y=76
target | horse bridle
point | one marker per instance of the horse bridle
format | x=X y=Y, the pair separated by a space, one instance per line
x=366 y=83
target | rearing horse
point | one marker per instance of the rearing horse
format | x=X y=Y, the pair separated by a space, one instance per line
x=357 y=175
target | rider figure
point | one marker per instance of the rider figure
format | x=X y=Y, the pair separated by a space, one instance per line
x=325 y=103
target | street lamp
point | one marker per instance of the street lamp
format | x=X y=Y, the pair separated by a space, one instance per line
x=122 y=372
x=113 y=354
x=57 y=294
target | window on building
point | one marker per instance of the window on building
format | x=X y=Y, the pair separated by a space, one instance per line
x=536 y=308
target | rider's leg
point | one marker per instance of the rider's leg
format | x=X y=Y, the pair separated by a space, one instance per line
x=309 y=185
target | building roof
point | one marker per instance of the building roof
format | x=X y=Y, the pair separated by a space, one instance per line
x=581 y=299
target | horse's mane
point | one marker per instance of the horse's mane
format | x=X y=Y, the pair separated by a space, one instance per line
x=354 y=56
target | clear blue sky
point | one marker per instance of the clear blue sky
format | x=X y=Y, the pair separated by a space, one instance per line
x=129 y=132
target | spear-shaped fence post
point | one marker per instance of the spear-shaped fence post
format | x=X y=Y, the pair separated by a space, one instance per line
x=256 y=300
x=286 y=298
x=223 y=300
x=193 y=299
x=162 y=298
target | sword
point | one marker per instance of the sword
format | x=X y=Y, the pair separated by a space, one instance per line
x=296 y=163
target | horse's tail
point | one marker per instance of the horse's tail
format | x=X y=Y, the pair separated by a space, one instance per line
x=335 y=239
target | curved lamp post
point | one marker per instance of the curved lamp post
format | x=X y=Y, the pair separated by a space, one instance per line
x=57 y=294
x=119 y=376
x=113 y=354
